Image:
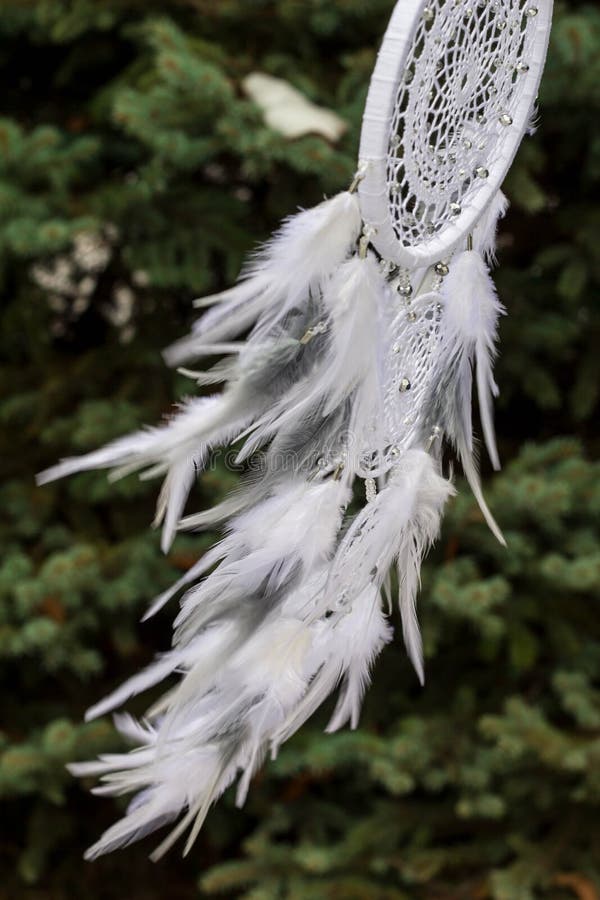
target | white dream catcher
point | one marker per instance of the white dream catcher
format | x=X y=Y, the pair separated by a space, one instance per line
x=367 y=321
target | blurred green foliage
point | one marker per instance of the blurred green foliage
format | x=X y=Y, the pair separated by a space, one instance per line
x=134 y=174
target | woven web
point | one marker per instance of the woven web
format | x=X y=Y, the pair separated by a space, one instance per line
x=410 y=343
x=461 y=88
x=411 y=354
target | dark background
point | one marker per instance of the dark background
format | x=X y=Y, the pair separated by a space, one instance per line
x=134 y=175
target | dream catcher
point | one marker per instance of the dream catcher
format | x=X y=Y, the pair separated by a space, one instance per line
x=368 y=321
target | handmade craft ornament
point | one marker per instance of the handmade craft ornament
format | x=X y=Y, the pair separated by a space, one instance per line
x=350 y=345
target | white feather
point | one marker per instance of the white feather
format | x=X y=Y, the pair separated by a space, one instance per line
x=470 y=322
x=284 y=536
x=186 y=768
x=352 y=299
x=484 y=233
x=207 y=646
x=206 y=562
x=293 y=531
x=233 y=505
x=234 y=684
x=156 y=449
x=398 y=526
x=348 y=369
x=177 y=450
x=361 y=649
x=284 y=274
x=173 y=496
x=296 y=262
x=343 y=645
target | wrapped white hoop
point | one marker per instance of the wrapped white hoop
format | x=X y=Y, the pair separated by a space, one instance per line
x=450 y=99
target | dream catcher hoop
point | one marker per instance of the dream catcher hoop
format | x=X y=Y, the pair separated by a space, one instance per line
x=351 y=370
x=451 y=97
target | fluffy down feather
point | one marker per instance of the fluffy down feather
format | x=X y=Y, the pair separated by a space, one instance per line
x=295 y=263
x=484 y=233
x=238 y=695
x=277 y=289
x=344 y=643
x=279 y=541
x=398 y=527
x=178 y=450
x=470 y=323
x=346 y=371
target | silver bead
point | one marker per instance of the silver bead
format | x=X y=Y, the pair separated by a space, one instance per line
x=441 y=269
x=455 y=209
x=467 y=143
x=428 y=14
x=412 y=316
x=370 y=490
x=531 y=11
x=462 y=173
x=397 y=348
x=480 y=118
x=521 y=68
x=505 y=119
x=405 y=290
x=396 y=140
x=481 y=172
x=404 y=385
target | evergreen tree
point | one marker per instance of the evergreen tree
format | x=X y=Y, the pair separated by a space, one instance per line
x=134 y=175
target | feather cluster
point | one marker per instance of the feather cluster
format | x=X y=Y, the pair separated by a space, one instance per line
x=333 y=376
